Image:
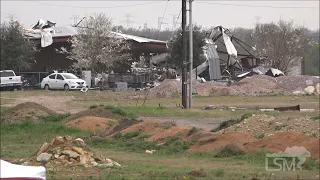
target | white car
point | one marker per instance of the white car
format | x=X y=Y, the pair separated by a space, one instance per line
x=66 y=81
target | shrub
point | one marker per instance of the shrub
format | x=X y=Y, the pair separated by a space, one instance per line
x=93 y=106
x=229 y=150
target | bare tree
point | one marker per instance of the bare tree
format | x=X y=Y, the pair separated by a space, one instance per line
x=282 y=43
x=96 y=47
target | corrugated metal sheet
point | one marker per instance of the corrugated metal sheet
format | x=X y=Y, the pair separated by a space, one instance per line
x=213 y=60
x=71 y=31
x=59 y=32
x=159 y=58
x=137 y=38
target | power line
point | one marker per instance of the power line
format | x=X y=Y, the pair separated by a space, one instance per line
x=246 y=5
x=100 y=7
x=165 y=9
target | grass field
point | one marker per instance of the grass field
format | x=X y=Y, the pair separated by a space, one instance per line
x=20 y=141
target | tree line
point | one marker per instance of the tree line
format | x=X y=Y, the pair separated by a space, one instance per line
x=284 y=43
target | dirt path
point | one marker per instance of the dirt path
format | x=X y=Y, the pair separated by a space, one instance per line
x=55 y=103
x=203 y=123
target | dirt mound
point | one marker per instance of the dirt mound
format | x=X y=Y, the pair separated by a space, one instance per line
x=63 y=151
x=167 y=88
x=217 y=141
x=27 y=110
x=150 y=127
x=159 y=130
x=91 y=122
x=280 y=141
x=258 y=85
x=97 y=112
x=121 y=125
x=263 y=125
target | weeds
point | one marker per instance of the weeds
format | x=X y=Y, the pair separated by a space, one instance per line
x=226 y=124
x=218 y=172
x=316 y=117
x=229 y=150
x=54 y=117
x=246 y=116
x=93 y=106
x=120 y=111
x=111 y=123
x=260 y=136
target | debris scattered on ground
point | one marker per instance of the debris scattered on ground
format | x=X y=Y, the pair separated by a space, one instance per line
x=91 y=122
x=65 y=151
x=150 y=151
x=282 y=140
x=26 y=111
x=260 y=126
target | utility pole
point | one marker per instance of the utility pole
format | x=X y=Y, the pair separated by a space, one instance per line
x=184 y=54
x=190 y=52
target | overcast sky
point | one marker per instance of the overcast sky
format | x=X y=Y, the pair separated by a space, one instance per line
x=206 y=13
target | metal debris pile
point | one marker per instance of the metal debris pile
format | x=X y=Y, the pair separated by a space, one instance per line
x=67 y=151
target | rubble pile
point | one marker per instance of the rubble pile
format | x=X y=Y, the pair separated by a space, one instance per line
x=168 y=88
x=258 y=85
x=260 y=126
x=67 y=151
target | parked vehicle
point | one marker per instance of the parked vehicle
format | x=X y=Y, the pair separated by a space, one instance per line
x=66 y=81
x=9 y=80
x=9 y=171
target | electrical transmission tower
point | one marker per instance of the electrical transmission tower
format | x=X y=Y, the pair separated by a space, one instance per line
x=174 y=21
x=128 y=20
x=75 y=19
x=160 y=22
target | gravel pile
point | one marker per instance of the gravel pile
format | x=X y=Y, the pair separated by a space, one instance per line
x=250 y=86
x=296 y=83
x=65 y=151
x=260 y=126
x=258 y=85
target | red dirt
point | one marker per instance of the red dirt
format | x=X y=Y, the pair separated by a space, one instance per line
x=282 y=140
x=173 y=131
x=90 y=122
x=218 y=140
x=149 y=127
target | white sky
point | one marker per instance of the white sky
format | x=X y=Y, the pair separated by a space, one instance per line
x=239 y=14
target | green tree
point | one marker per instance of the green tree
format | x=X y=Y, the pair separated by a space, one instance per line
x=312 y=59
x=175 y=47
x=17 y=51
